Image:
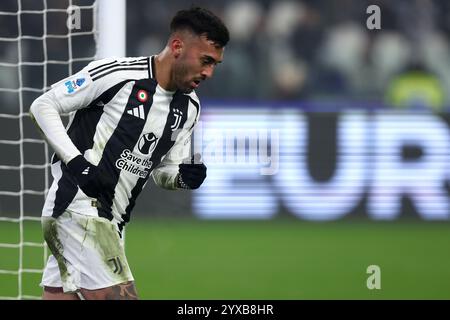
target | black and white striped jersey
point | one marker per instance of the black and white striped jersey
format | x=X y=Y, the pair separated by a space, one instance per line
x=124 y=123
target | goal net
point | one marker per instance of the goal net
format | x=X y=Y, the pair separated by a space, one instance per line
x=41 y=42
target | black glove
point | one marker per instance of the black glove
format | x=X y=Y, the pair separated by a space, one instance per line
x=191 y=175
x=87 y=176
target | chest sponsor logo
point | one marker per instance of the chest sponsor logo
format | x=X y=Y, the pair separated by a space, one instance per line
x=134 y=164
x=147 y=143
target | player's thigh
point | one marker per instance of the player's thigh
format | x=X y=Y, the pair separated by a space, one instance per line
x=89 y=252
x=122 y=291
x=57 y=293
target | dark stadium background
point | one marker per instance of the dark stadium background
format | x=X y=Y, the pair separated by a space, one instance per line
x=313 y=59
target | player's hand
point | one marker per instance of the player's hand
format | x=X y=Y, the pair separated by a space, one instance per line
x=87 y=175
x=191 y=175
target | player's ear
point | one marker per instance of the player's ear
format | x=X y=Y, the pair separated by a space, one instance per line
x=176 y=46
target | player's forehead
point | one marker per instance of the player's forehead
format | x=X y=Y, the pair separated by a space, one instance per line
x=208 y=48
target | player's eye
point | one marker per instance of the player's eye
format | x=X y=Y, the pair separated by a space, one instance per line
x=208 y=61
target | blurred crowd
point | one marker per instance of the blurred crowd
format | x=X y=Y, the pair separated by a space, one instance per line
x=318 y=49
x=286 y=50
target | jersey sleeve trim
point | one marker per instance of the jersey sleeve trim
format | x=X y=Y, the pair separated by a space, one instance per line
x=118 y=68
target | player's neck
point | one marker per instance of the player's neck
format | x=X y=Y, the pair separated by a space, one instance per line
x=164 y=70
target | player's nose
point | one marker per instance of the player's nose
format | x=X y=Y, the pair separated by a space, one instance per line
x=207 y=72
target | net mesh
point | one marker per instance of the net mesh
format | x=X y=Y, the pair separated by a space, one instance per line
x=41 y=42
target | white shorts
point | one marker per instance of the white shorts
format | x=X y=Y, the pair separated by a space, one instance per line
x=87 y=252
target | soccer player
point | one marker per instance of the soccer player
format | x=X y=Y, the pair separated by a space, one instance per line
x=133 y=118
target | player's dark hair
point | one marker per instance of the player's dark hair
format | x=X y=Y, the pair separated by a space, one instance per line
x=201 y=22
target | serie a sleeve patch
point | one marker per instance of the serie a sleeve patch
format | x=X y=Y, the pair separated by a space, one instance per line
x=73 y=84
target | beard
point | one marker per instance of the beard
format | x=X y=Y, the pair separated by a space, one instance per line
x=180 y=76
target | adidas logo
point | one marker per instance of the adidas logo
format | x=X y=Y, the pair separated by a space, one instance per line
x=86 y=171
x=138 y=112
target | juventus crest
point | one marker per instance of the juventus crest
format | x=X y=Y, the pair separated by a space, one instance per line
x=178 y=114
